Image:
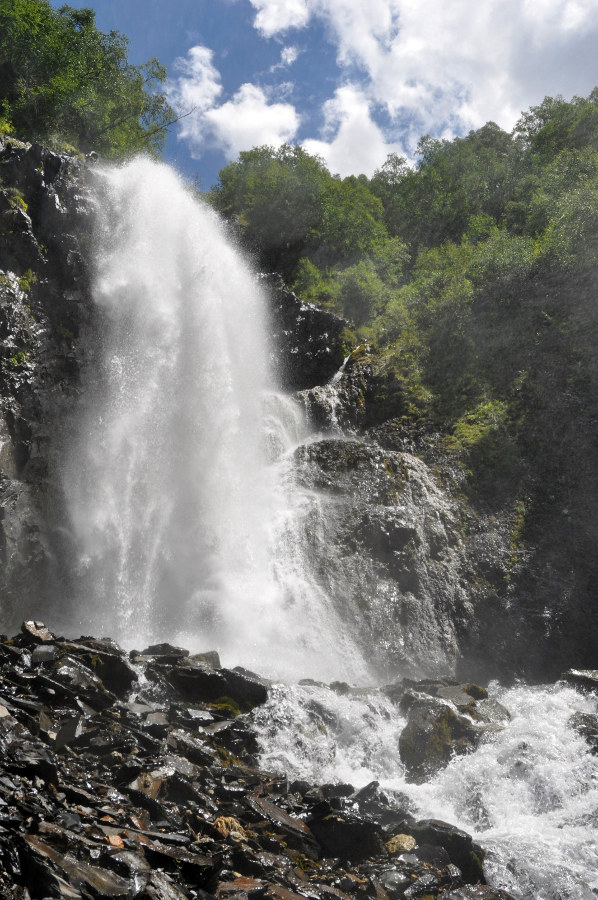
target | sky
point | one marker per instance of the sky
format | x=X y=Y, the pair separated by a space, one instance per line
x=350 y=80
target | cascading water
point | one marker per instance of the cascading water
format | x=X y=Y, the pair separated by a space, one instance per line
x=185 y=525
x=189 y=524
x=529 y=794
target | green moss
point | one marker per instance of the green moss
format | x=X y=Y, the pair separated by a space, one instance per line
x=27 y=280
x=19 y=359
x=476 y=424
x=15 y=198
x=518 y=527
x=227 y=705
x=65 y=333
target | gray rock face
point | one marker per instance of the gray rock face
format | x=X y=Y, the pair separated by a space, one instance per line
x=43 y=306
x=386 y=543
x=308 y=341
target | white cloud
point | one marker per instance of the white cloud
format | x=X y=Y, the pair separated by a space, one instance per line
x=274 y=16
x=448 y=65
x=248 y=119
x=198 y=85
x=440 y=68
x=288 y=55
x=356 y=144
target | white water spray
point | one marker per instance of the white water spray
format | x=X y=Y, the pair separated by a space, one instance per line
x=185 y=521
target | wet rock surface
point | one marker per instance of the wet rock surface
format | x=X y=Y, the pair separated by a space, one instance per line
x=116 y=781
x=44 y=231
x=444 y=719
x=308 y=341
x=392 y=557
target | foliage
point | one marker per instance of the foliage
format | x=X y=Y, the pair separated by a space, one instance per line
x=61 y=79
x=275 y=196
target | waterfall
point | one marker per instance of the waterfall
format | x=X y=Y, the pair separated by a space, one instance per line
x=186 y=526
x=193 y=520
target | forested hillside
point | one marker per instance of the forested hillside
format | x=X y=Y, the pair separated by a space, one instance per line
x=473 y=277
x=63 y=81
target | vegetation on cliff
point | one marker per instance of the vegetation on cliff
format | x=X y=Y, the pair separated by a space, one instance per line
x=473 y=276
x=63 y=80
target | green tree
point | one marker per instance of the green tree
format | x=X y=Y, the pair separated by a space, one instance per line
x=63 y=80
x=275 y=196
x=557 y=124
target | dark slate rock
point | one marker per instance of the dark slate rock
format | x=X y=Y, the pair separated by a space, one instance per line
x=91 y=805
x=433 y=734
x=308 y=341
x=198 y=682
x=346 y=836
x=459 y=845
x=247 y=688
x=583 y=679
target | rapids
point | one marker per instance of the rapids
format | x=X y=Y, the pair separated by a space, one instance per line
x=528 y=795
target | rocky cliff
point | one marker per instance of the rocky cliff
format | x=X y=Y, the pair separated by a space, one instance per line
x=435 y=585
x=44 y=233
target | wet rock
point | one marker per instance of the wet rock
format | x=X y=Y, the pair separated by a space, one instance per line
x=308 y=341
x=463 y=852
x=433 y=735
x=37 y=631
x=586 y=725
x=347 y=836
x=583 y=679
x=92 y=805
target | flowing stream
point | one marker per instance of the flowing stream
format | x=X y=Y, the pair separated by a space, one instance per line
x=187 y=525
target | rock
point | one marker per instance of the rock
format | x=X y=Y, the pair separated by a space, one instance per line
x=92 y=805
x=586 y=725
x=583 y=679
x=433 y=735
x=308 y=341
x=37 y=631
x=401 y=843
x=347 y=836
x=462 y=851
x=386 y=546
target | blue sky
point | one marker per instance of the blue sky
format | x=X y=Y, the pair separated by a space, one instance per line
x=352 y=80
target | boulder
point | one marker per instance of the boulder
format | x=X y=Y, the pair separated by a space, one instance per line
x=308 y=341
x=463 y=852
x=433 y=735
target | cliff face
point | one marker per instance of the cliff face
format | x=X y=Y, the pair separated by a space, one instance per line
x=433 y=583
x=44 y=216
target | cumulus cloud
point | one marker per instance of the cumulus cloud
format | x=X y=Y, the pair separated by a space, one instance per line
x=274 y=16
x=439 y=68
x=351 y=141
x=449 y=66
x=247 y=119
x=288 y=55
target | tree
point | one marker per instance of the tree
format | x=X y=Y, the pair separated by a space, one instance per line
x=275 y=195
x=557 y=125
x=63 y=80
